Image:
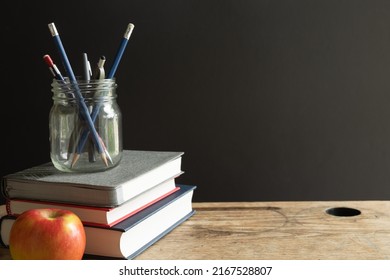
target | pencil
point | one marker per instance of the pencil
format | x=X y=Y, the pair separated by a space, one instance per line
x=53 y=68
x=114 y=67
x=121 y=50
x=80 y=99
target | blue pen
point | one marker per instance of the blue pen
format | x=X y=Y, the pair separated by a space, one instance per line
x=83 y=107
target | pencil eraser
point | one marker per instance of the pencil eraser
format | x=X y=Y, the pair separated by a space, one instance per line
x=48 y=60
x=53 y=29
x=129 y=29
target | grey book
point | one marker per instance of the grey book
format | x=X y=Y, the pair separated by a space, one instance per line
x=137 y=172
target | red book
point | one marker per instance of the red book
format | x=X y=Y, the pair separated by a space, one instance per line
x=99 y=216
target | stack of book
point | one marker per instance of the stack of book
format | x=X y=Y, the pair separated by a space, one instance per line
x=124 y=210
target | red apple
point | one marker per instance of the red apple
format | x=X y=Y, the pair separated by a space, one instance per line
x=47 y=234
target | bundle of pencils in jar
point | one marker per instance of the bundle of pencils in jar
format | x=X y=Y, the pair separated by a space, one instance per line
x=85 y=120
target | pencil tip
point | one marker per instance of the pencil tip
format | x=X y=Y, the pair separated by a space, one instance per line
x=104 y=158
x=75 y=159
x=109 y=157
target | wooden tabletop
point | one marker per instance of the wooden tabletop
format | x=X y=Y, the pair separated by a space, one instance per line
x=278 y=231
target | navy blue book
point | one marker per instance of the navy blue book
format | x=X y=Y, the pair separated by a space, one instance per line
x=132 y=236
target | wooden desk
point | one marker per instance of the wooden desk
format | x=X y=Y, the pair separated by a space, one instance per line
x=277 y=230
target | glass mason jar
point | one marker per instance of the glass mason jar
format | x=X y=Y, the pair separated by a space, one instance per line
x=85 y=126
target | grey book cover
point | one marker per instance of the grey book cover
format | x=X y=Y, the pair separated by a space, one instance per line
x=45 y=182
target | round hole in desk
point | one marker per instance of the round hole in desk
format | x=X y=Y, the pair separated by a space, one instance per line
x=343 y=212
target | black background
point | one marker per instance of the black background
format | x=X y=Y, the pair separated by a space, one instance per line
x=269 y=100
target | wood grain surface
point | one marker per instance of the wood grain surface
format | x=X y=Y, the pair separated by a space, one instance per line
x=277 y=231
